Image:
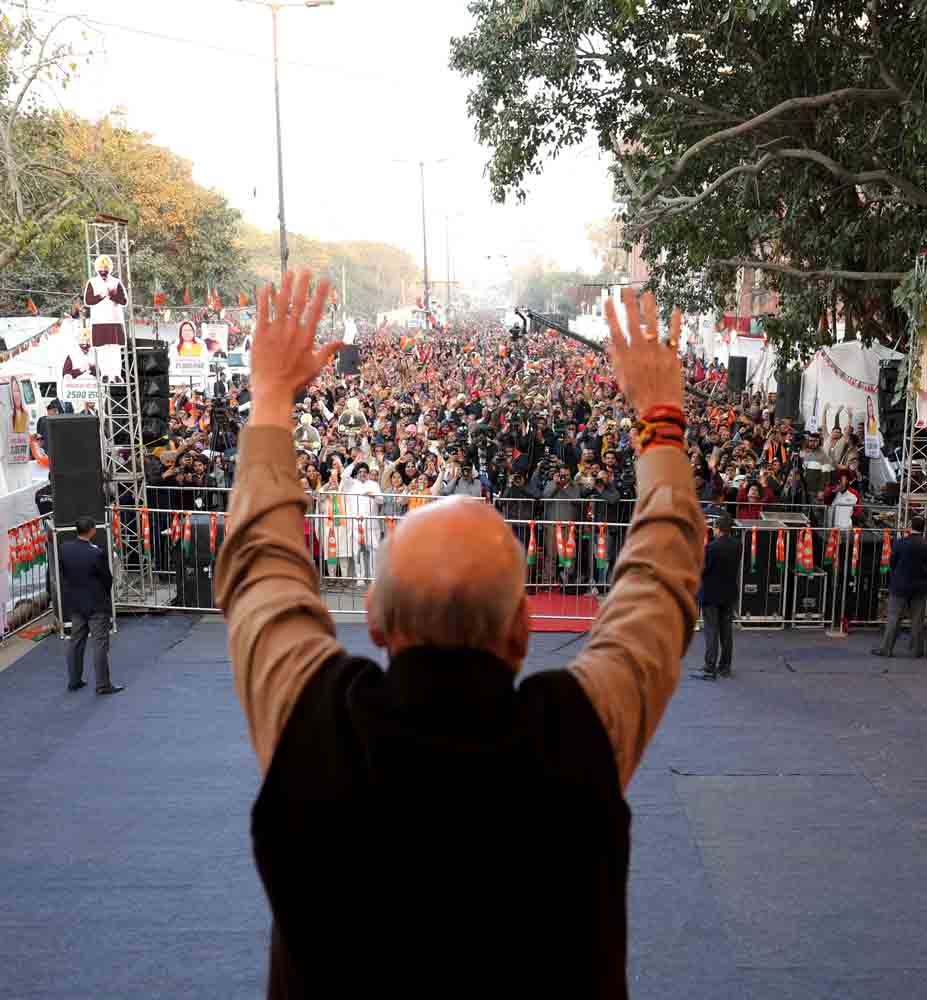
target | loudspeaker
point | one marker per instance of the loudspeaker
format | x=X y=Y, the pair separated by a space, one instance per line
x=349 y=360
x=761 y=588
x=194 y=572
x=153 y=360
x=76 y=469
x=788 y=396
x=891 y=416
x=736 y=375
x=888 y=378
x=865 y=588
x=154 y=389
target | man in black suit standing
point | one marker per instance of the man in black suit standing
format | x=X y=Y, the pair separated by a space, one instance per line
x=720 y=581
x=907 y=590
x=87 y=585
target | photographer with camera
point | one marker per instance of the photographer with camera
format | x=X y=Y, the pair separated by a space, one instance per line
x=601 y=504
x=561 y=506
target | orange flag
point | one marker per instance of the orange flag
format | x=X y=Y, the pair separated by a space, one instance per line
x=32 y=307
x=186 y=297
x=243 y=299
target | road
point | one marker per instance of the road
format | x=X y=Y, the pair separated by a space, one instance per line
x=779 y=838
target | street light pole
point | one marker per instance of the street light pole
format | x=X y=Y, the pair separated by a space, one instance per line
x=275 y=9
x=281 y=213
x=421 y=166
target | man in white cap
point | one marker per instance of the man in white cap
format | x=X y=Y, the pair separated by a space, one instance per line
x=106 y=296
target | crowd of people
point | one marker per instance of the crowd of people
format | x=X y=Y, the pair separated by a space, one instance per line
x=534 y=424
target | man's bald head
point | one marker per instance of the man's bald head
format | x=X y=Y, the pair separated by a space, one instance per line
x=451 y=575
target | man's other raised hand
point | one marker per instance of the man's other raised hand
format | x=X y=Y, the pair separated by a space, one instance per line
x=648 y=371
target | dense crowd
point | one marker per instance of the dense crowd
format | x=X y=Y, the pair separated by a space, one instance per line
x=534 y=424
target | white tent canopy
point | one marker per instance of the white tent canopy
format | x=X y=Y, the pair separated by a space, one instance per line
x=844 y=375
x=16 y=329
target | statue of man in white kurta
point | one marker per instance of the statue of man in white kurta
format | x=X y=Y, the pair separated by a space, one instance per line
x=106 y=296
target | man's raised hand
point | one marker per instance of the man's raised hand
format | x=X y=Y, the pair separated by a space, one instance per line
x=648 y=371
x=283 y=354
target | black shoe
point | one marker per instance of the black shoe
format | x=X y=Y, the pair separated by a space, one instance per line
x=111 y=689
x=725 y=672
x=704 y=675
x=77 y=686
x=878 y=652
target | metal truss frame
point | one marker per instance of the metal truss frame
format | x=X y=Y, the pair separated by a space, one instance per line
x=119 y=408
x=912 y=496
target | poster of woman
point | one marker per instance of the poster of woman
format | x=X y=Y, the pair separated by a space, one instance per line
x=14 y=423
x=189 y=354
x=20 y=416
x=872 y=438
x=189 y=344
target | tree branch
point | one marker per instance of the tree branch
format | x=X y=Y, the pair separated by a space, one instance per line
x=916 y=195
x=691 y=102
x=792 y=104
x=794 y=272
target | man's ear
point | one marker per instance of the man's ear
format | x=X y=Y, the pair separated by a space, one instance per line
x=373 y=628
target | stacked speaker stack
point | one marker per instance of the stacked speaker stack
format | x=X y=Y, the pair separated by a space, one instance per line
x=154 y=388
x=76 y=474
x=736 y=375
x=788 y=396
x=891 y=413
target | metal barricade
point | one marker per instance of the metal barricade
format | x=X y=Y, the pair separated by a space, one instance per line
x=792 y=576
x=29 y=590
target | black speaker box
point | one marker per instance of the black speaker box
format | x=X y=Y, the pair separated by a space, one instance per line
x=761 y=588
x=155 y=406
x=736 y=375
x=349 y=360
x=888 y=378
x=864 y=589
x=76 y=469
x=788 y=396
x=153 y=362
x=155 y=385
x=194 y=572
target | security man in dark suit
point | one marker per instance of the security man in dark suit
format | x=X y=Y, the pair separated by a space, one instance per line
x=907 y=590
x=720 y=582
x=87 y=585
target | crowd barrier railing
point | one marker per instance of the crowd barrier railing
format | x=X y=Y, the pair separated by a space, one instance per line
x=216 y=497
x=28 y=578
x=790 y=576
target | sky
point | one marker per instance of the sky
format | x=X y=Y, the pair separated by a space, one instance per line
x=366 y=94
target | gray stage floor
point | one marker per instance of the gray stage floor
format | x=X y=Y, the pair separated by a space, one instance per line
x=780 y=826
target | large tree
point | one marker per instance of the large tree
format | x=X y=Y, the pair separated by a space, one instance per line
x=788 y=136
x=42 y=191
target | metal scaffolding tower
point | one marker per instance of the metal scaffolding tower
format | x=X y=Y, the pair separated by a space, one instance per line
x=912 y=495
x=119 y=408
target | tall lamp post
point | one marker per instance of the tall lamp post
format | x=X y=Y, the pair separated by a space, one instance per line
x=275 y=9
x=421 y=169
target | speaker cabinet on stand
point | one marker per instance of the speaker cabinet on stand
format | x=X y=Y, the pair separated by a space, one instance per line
x=736 y=375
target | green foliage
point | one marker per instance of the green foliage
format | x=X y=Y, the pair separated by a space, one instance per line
x=840 y=186
x=542 y=287
x=376 y=273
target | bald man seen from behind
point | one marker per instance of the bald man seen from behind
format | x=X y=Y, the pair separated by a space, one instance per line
x=436 y=829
